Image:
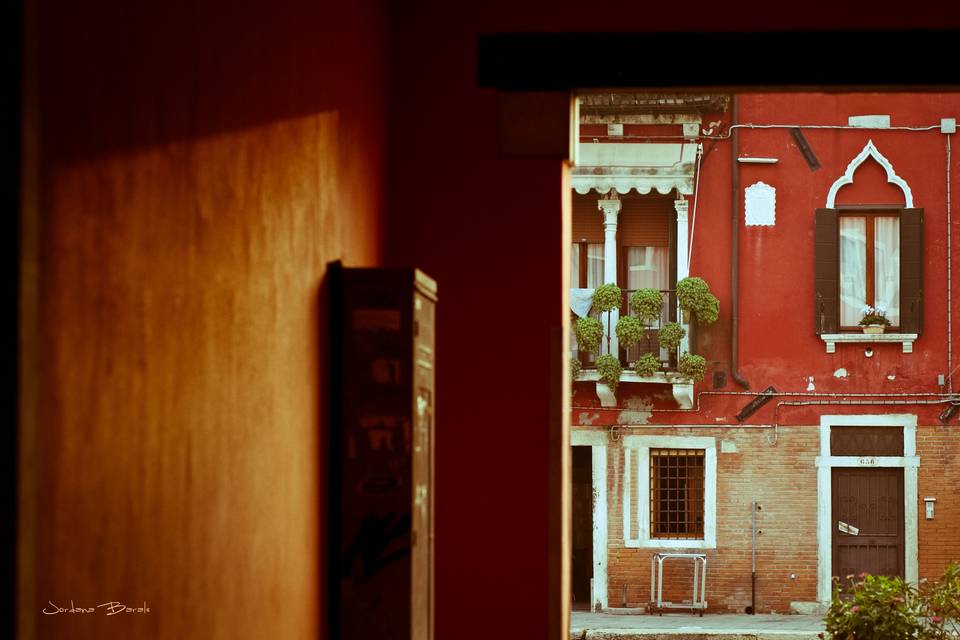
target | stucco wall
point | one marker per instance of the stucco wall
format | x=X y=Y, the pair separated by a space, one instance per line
x=192 y=182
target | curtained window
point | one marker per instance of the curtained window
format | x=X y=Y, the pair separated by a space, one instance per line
x=869 y=267
x=647 y=268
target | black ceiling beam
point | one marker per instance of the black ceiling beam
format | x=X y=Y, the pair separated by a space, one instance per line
x=883 y=60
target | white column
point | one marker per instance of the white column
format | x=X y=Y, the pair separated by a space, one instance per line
x=610 y=205
x=683 y=239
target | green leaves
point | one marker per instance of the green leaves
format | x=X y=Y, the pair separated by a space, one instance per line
x=629 y=331
x=670 y=335
x=575 y=367
x=609 y=368
x=588 y=331
x=693 y=294
x=647 y=304
x=606 y=297
x=692 y=366
x=885 y=608
x=647 y=365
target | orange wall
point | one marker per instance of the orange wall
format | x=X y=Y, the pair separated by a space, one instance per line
x=195 y=171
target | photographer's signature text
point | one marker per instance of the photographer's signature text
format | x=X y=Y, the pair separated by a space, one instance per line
x=110 y=608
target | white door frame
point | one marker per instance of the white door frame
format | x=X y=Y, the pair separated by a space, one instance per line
x=597 y=441
x=909 y=462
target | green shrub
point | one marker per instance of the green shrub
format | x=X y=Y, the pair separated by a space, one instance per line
x=941 y=601
x=588 y=330
x=692 y=366
x=690 y=291
x=670 y=335
x=647 y=365
x=882 y=608
x=647 y=304
x=875 y=608
x=693 y=294
x=608 y=366
x=606 y=297
x=575 y=367
x=629 y=331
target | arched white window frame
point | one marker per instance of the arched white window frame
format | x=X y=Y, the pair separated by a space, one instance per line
x=869 y=151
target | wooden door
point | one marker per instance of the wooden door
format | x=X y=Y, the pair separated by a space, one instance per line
x=868 y=523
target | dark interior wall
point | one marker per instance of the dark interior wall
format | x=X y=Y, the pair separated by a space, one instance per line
x=192 y=170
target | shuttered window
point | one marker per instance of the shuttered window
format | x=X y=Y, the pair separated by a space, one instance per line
x=870 y=258
x=644 y=221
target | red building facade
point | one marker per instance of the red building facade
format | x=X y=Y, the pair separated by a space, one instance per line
x=809 y=449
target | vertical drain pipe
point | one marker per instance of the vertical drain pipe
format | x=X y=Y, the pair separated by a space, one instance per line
x=735 y=251
x=753 y=559
x=949 y=281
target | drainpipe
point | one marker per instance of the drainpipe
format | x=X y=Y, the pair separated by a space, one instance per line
x=735 y=252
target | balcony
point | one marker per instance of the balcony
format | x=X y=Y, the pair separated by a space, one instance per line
x=682 y=386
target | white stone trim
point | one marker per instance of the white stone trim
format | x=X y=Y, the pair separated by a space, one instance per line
x=825 y=463
x=847 y=178
x=905 y=339
x=597 y=440
x=642 y=445
x=598 y=597
x=588 y=438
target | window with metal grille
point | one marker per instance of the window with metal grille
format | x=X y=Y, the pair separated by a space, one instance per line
x=676 y=493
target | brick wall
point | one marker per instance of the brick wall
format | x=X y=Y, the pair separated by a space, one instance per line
x=939 y=539
x=782 y=478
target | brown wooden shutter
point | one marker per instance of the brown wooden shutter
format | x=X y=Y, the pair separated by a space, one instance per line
x=911 y=271
x=826 y=265
x=587 y=219
x=644 y=221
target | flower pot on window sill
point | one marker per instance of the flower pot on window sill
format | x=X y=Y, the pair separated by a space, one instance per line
x=873 y=328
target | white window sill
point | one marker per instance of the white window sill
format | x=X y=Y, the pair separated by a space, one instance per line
x=673 y=544
x=905 y=339
x=682 y=385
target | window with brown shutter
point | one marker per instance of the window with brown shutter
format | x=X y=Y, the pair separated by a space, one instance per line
x=868 y=256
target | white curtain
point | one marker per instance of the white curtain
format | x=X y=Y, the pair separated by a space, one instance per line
x=853 y=276
x=648 y=268
x=594 y=260
x=594 y=265
x=886 y=272
x=575 y=266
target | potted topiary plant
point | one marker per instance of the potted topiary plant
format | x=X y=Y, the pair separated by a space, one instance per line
x=693 y=296
x=647 y=304
x=609 y=368
x=629 y=331
x=692 y=366
x=575 y=367
x=646 y=365
x=606 y=297
x=670 y=335
x=588 y=331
